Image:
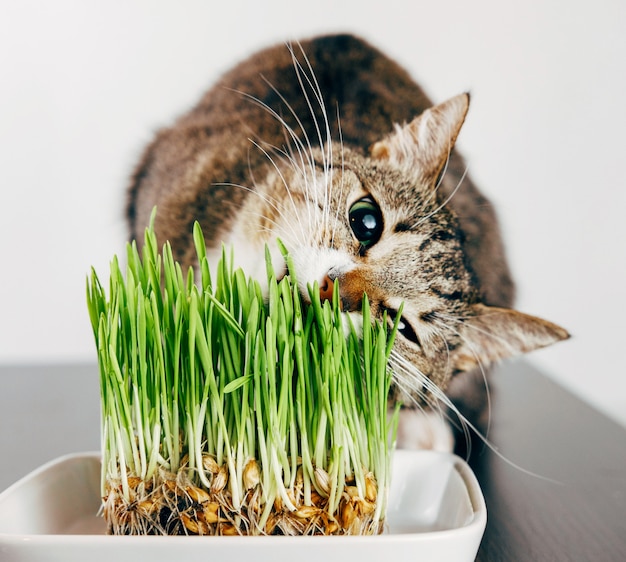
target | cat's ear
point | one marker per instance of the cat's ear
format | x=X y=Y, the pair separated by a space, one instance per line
x=423 y=145
x=493 y=334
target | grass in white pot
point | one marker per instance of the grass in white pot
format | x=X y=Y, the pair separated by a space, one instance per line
x=224 y=413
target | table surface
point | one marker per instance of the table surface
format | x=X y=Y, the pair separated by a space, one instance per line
x=555 y=489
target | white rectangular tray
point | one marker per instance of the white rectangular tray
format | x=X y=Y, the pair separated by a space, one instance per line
x=436 y=513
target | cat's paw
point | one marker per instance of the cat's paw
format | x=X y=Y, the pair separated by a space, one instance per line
x=424 y=430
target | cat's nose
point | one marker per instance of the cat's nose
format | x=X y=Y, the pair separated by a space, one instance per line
x=326 y=288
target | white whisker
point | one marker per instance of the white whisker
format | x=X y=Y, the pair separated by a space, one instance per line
x=280 y=174
x=439 y=319
x=504 y=342
x=448 y=199
x=337 y=210
x=326 y=146
x=399 y=361
x=303 y=150
x=303 y=147
x=271 y=202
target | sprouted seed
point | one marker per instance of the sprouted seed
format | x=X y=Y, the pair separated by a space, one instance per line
x=227 y=413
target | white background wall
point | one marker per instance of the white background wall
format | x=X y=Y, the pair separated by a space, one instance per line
x=84 y=84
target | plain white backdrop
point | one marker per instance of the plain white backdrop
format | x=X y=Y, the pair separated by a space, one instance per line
x=83 y=86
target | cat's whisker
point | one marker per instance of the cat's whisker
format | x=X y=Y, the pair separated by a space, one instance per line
x=434 y=397
x=317 y=92
x=303 y=147
x=326 y=146
x=468 y=426
x=274 y=204
x=409 y=383
x=271 y=202
x=441 y=319
x=504 y=342
x=299 y=156
x=440 y=180
x=278 y=229
x=433 y=192
x=283 y=180
x=304 y=162
x=444 y=170
x=446 y=201
x=341 y=178
x=483 y=371
x=304 y=150
x=412 y=384
x=414 y=381
x=291 y=162
x=420 y=383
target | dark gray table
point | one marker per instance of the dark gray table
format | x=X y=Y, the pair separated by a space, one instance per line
x=576 y=510
x=46 y=411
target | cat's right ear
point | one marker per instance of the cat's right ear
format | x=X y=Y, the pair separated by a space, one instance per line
x=422 y=147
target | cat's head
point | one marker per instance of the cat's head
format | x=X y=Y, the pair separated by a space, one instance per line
x=377 y=224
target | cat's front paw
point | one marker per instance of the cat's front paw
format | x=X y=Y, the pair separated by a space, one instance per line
x=419 y=429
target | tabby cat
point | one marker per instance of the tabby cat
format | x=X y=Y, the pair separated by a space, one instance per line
x=330 y=146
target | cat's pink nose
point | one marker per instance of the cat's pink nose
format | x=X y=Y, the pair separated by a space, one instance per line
x=326 y=288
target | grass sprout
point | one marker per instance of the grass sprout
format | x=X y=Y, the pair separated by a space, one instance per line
x=225 y=412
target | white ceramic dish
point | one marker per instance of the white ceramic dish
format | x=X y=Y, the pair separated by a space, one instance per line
x=436 y=513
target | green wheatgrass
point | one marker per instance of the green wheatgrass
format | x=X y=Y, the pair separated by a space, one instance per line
x=224 y=413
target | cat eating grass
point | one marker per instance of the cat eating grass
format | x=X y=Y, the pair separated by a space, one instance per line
x=331 y=147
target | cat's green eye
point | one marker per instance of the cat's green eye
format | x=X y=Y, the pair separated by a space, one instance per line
x=366 y=221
